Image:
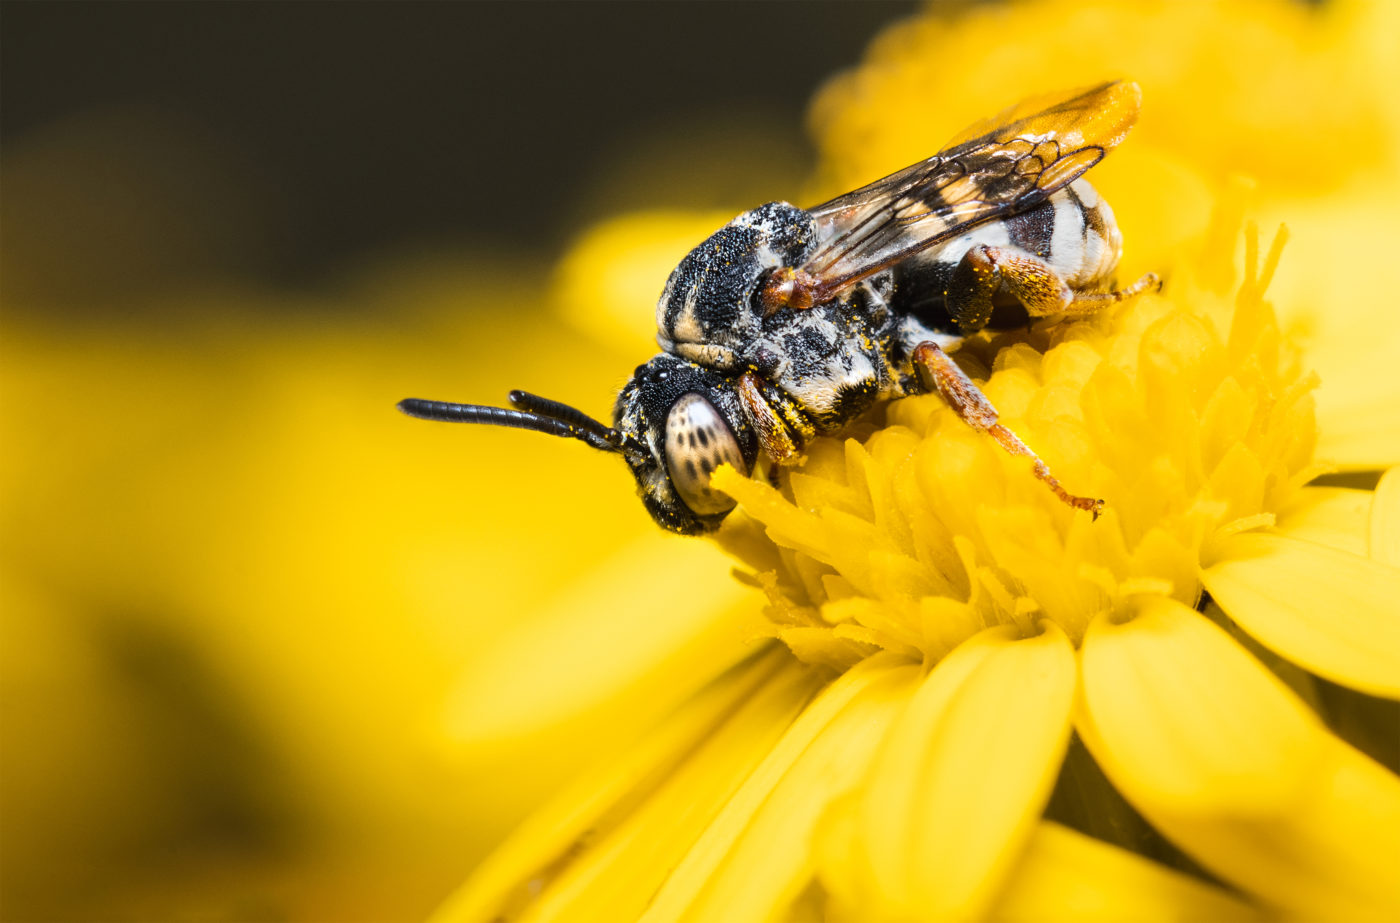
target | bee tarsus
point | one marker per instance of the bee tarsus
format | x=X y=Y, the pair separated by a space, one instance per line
x=940 y=373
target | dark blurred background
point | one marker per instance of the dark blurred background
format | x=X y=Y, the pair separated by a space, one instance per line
x=320 y=132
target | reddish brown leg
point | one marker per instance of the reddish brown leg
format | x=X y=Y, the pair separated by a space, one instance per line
x=1031 y=280
x=776 y=440
x=1093 y=302
x=939 y=373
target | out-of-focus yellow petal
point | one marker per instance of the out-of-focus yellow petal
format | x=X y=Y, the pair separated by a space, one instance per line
x=608 y=283
x=753 y=694
x=618 y=873
x=958 y=785
x=1356 y=404
x=590 y=670
x=1065 y=875
x=1344 y=320
x=1332 y=612
x=756 y=858
x=1385 y=520
x=1333 y=516
x=593 y=650
x=1218 y=755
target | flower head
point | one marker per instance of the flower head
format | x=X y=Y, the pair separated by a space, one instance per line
x=1187 y=412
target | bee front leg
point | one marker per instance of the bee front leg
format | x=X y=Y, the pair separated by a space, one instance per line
x=781 y=440
x=937 y=372
x=1031 y=281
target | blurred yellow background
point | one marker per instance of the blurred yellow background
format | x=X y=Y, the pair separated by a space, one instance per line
x=270 y=650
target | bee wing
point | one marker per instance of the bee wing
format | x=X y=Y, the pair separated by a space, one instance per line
x=998 y=167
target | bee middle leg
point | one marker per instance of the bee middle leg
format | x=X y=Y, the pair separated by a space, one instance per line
x=1032 y=281
x=937 y=372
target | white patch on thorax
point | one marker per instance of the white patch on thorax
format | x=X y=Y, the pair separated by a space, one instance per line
x=849 y=369
x=686 y=327
x=710 y=355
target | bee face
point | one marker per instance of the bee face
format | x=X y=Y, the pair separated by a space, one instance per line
x=688 y=421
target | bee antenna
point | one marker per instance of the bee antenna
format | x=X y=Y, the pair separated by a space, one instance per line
x=544 y=407
x=555 y=410
x=578 y=426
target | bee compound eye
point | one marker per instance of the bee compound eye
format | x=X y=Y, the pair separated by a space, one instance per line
x=697 y=442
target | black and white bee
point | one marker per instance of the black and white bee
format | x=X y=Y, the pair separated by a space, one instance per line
x=787 y=324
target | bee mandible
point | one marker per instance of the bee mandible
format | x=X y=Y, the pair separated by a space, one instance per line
x=787 y=324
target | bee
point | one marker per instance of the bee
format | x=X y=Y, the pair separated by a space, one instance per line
x=788 y=324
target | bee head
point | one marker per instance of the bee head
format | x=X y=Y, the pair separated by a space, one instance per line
x=675 y=423
x=691 y=421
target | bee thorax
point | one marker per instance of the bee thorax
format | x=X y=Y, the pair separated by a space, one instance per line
x=713 y=297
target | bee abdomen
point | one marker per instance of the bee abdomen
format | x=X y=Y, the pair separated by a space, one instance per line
x=1085 y=243
x=1074 y=231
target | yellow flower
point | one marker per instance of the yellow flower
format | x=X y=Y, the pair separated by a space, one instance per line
x=973 y=621
x=987 y=706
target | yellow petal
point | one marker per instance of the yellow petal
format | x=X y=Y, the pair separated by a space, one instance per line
x=616 y=874
x=1333 y=516
x=756 y=857
x=534 y=852
x=597 y=648
x=1385 y=520
x=1065 y=875
x=1336 y=614
x=1153 y=688
x=960 y=781
x=1219 y=756
x=1356 y=403
x=606 y=285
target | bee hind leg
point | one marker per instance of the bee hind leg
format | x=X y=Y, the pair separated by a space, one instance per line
x=1031 y=280
x=937 y=372
x=1086 y=303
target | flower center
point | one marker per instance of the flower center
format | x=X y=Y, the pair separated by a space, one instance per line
x=1187 y=412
